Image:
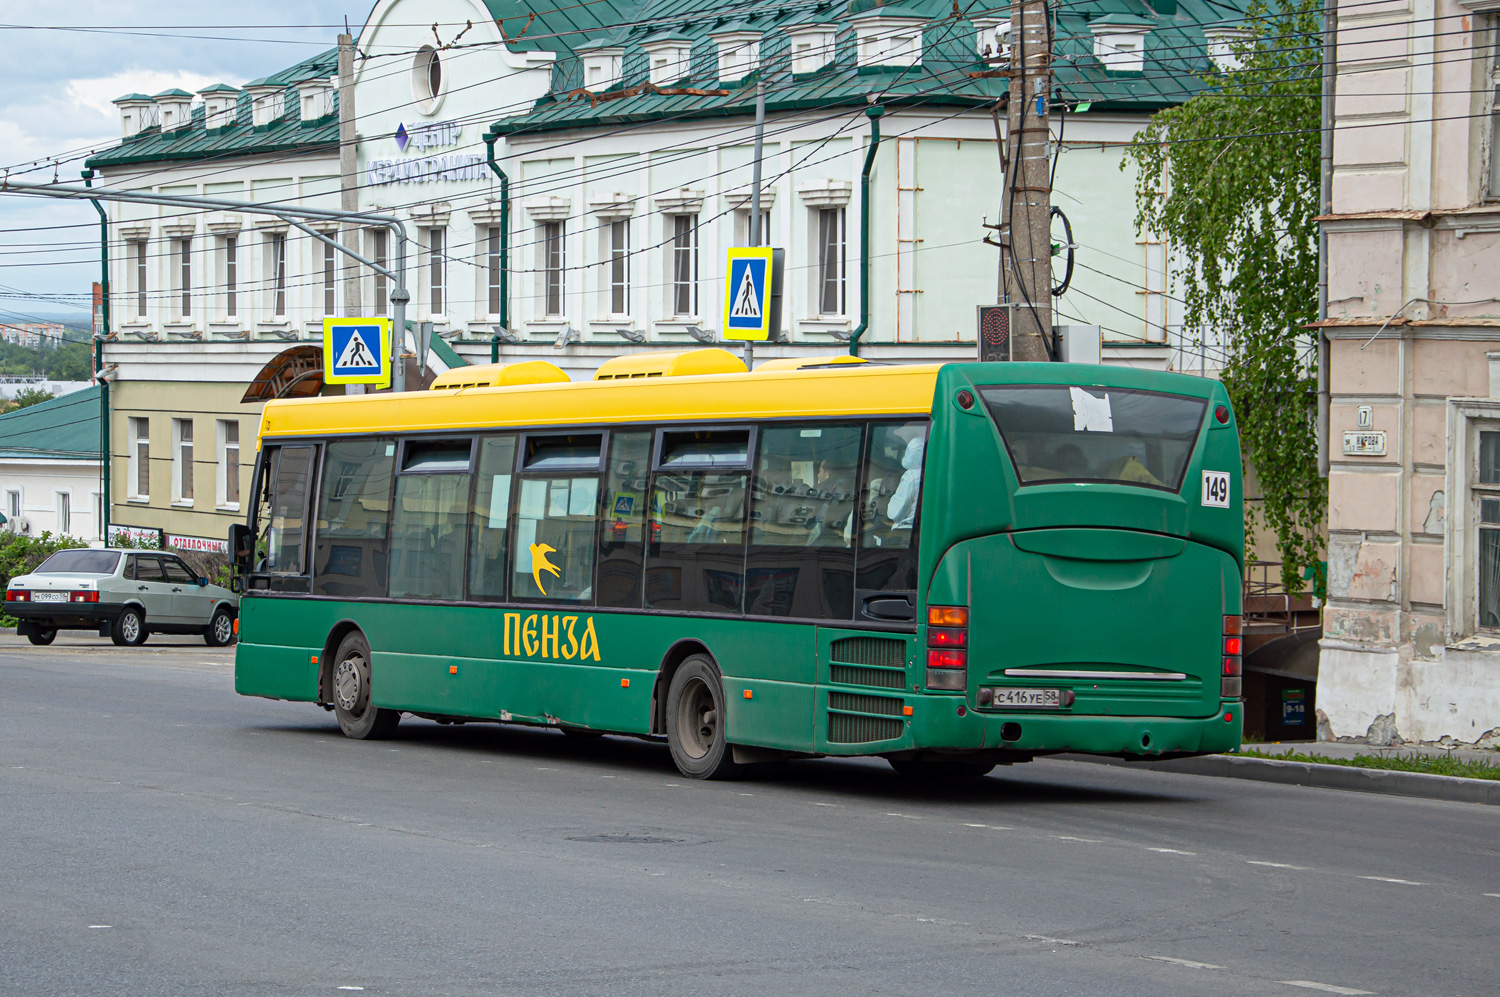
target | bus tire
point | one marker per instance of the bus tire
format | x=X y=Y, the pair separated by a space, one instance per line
x=695 y=721
x=351 y=693
x=926 y=770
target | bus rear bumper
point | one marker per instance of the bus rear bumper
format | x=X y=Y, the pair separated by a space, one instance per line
x=1144 y=738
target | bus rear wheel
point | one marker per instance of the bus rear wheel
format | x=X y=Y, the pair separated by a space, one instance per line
x=357 y=717
x=695 y=721
x=928 y=770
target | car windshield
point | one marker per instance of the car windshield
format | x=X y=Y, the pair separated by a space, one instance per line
x=80 y=562
x=1069 y=433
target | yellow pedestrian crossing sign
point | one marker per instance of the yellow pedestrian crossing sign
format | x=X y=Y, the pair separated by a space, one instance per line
x=357 y=351
x=748 y=293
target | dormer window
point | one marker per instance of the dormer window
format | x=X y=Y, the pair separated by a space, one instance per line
x=812 y=46
x=739 y=53
x=174 y=109
x=992 y=39
x=670 y=58
x=316 y=98
x=137 y=112
x=882 y=40
x=1120 y=43
x=1223 y=47
x=219 y=105
x=603 y=67
x=267 y=103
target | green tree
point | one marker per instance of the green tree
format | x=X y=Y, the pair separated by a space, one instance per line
x=27 y=397
x=71 y=361
x=1231 y=178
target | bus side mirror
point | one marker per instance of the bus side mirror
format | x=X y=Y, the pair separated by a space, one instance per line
x=241 y=547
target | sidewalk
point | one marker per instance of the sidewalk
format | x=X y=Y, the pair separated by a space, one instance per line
x=1346 y=777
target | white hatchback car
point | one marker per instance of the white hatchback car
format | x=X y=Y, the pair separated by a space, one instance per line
x=123 y=594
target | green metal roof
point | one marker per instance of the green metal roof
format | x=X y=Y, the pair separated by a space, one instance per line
x=287 y=134
x=1176 y=51
x=65 y=428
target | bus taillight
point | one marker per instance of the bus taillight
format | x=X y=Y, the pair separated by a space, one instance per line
x=1230 y=681
x=947 y=640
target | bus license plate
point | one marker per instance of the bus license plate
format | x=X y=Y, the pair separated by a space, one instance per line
x=1030 y=698
x=49 y=597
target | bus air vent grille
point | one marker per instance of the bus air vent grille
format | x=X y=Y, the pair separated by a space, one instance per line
x=854 y=702
x=882 y=652
x=845 y=728
x=881 y=678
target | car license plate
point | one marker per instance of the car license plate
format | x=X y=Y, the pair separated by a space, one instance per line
x=1029 y=698
x=49 y=597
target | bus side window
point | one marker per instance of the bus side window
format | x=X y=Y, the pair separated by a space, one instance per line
x=291 y=470
x=557 y=510
x=695 y=554
x=622 y=542
x=889 y=508
x=489 y=520
x=801 y=558
x=354 y=518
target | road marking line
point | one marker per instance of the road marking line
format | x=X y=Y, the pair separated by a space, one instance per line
x=101 y=926
x=1048 y=940
x=1327 y=988
x=1190 y=964
x=1276 y=865
x=1492 y=894
x=907 y=816
x=827 y=804
x=351 y=988
x=1170 y=851
x=1388 y=879
x=1069 y=837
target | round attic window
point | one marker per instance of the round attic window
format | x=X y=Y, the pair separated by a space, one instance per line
x=427 y=79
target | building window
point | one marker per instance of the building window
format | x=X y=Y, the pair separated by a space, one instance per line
x=554 y=264
x=744 y=226
x=684 y=265
x=492 y=268
x=231 y=275
x=182 y=460
x=98 y=515
x=138 y=255
x=140 y=459
x=619 y=267
x=1486 y=498
x=13 y=503
x=831 y=289
x=379 y=239
x=229 y=463
x=64 y=513
x=185 y=271
x=276 y=264
x=437 y=268
x=1495 y=136
x=330 y=296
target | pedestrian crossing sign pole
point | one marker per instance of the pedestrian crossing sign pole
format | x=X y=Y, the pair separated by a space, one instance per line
x=357 y=351
x=750 y=294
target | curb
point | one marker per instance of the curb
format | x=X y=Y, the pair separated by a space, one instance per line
x=1358 y=780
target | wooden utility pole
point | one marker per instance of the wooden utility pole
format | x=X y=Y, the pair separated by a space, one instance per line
x=1026 y=235
x=348 y=172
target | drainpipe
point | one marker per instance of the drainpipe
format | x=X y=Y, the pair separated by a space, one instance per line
x=489 y=159
x=1325 y=207
x=88 y=181
x=874 y=112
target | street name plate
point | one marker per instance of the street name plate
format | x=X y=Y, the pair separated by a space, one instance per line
x=1369 y=443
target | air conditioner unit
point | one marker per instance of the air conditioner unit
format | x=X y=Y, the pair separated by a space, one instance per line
x=21 y=525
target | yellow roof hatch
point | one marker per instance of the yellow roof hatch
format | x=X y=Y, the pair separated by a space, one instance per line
x=684 y=364
x=805 y=363
x=499 y=375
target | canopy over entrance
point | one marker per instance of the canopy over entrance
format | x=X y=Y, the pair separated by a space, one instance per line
x=293 y=373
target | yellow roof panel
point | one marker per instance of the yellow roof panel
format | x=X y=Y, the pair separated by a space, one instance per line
x=856 y=390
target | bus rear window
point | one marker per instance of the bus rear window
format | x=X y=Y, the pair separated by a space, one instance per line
x=1068 y=433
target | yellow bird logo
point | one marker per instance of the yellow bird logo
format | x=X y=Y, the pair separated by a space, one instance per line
x=539 y=563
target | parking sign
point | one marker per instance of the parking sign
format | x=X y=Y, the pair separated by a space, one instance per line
x=357 y=351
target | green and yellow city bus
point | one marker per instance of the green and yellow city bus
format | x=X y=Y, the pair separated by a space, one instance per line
x=950 y=566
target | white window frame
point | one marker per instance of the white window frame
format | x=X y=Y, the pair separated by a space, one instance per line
x=1467 y=417
x=276 y=281
x=379 y=251
x=140 y=453
x=676 y=253
x=552 y=268
x=98 y=511
x=182 y=271
x=226 y=469
x=179 y=471
x=817 y=271
x=140 y=277
x=435 y=271
x=229 y=252
x=62 y=511
x=329 y=271
x=614 y=269
x=490 y=273
x=15 y=502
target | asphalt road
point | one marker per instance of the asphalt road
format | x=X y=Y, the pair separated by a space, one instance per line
x=160 y=835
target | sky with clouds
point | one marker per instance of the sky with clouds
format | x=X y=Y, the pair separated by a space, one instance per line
x=55 y=104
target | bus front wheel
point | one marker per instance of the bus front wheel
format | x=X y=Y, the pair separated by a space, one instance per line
x=695 y=721
x=358 y=717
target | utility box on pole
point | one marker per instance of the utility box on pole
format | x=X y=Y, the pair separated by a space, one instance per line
x=1078 y=343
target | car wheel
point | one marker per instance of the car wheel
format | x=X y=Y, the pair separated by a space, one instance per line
x=357 y=717
x=42 y=636
x=220 y=632
x=695 y=721
x=130 y=628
